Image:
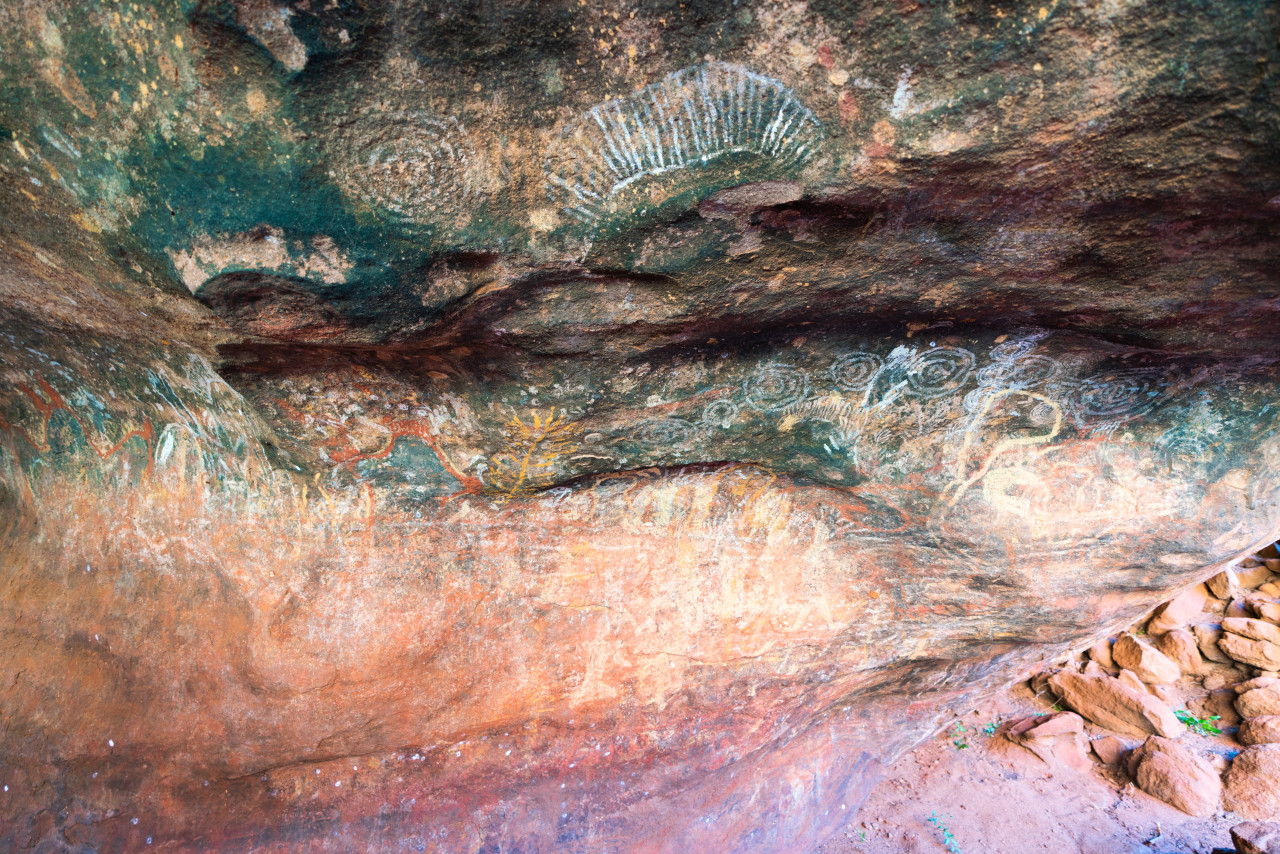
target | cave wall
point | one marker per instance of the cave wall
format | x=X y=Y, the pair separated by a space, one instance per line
x=558 y=427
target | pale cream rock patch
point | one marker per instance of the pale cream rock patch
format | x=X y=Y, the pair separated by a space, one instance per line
x=263 y=250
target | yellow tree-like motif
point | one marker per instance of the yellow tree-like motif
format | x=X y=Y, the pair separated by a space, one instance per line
x=532 y=448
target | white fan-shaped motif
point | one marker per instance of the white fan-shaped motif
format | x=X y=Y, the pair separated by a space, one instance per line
x=687 y=119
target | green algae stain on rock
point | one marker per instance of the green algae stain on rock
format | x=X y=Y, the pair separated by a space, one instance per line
x=206 y=212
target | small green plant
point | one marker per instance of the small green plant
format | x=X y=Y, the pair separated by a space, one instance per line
x=990 y=729
x=959 y=735
x=1200 y=726
x=947 y=839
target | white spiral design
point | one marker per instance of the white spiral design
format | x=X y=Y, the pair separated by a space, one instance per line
x=939 y=371
x=407 y=165
x=773 y=387
x=1117 y=394
x=854 y=372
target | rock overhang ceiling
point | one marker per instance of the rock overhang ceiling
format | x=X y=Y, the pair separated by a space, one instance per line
x=512 y=426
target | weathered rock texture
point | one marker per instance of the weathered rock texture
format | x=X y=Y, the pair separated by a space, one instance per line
x=1256 y=837
x=521 y=426
x=1166 y=770
x=1253 y=782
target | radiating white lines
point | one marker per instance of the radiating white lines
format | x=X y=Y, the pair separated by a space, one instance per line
x=687 y=119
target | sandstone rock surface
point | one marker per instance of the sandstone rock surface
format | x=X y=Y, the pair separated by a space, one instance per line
x=1058 y=739
x=1166 y=770
x=1207 y=637
x=1253 y=782
x=1111 y=704
x=1256 y=682
x=1144 y=660
x=1101 y=653
x=1220 y=704
x=1264 y=729
x=1254 y=629
x=1180 y=647
x=1259 y=701
x=1224 y=584
x=1179 y=611
x=1109 y=748
x=1262 y=654
x=1256 y=837
x=564 y=427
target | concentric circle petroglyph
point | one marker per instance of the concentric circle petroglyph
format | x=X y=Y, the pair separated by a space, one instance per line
x=407 y=165
x=666 y=432
x=1117 y=394
x=854 y=372
x=1043 y=413
x=976 y=400
x=1178 y=447
x=939 y=371
x=1021 y=372
x=720 y=413
x=774 y=387
x=1012 y=349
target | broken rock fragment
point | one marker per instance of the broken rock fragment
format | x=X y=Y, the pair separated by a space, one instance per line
x=1256 y=837
x=1253 y=629
x=1109 y=748
x=1264 y=729
x=1057 y=739
x=1258 y=653
x=1220 y=704
x=1256 y=682
x=1147 y=663
x=1101 y=653
x=1259 y=702
x=1166 y=770
x=1253 y=782
x=1207 y=637
x=1224 y=584
x=1179 y=611
x=1179 y=646
x=1111 y=704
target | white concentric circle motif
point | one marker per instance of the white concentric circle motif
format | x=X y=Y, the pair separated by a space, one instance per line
x=939 y=371
x=406 y=165
x=666 y=432
x=1019 y=372
x=1118 y=394
x=773 y=387
x=1012 y=349
x=720 y=413
x=854 y=372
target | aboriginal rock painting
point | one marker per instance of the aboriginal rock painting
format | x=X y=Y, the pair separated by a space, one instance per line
x=532 y=448
x=118 y=418
x=407 y=165
x=690 y=119
x=918 y=435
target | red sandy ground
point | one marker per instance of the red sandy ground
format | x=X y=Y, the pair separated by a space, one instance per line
x=1009 y=802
